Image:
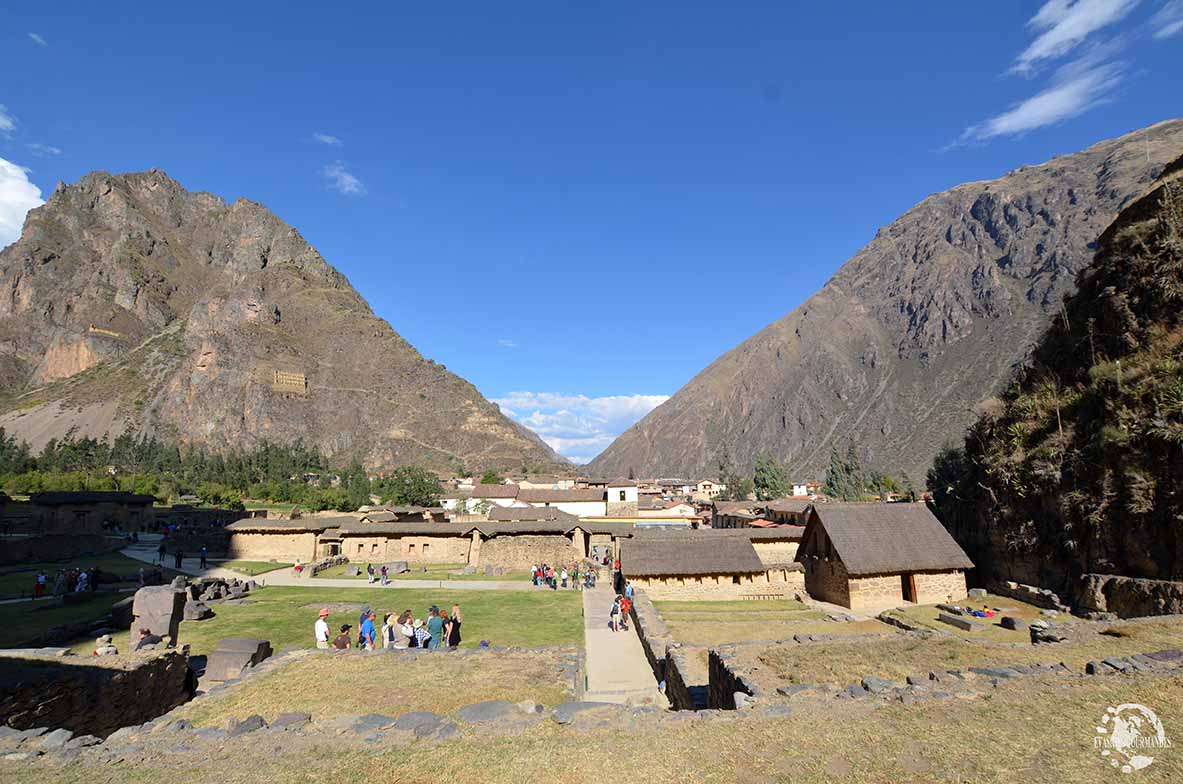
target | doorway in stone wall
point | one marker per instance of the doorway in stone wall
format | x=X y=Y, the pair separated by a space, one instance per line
x=908 y=587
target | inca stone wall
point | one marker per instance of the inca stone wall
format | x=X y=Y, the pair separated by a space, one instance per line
x=875 y=591
x=413 y=549
x=88 y=698
x=827 y=580
x=936 y=587
x=1130 y=597
x=723 y=682
x=522 y=551
x=721 y=587
x=290 y=547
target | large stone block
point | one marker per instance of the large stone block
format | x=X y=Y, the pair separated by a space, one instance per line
x=964 y=624
x=234 y=655
x=159 y=609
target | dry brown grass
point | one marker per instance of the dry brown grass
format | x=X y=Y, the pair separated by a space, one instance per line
x=1039 y=733
x=898 y=656
x=329 y=685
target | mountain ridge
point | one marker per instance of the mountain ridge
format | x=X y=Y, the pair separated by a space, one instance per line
x=910 y=333
x=132 y=303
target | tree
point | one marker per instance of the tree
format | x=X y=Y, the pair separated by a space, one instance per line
x=771 y=478
x=845 y=479
x=491 y=477
x=738 y=488
x=410 y=486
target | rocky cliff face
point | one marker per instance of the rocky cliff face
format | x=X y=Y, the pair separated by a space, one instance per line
x=1078 y=467
x=129 y=302
x=911 y=333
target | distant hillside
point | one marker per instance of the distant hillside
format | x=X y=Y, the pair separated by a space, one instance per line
x=1078 y=467
x=910 y=334
x=131 y=303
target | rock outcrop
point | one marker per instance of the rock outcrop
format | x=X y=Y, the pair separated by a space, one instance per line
x=915 y=330
x=131 y=303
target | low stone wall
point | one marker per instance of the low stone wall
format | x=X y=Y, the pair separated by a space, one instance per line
x=774 y=584
x=521 y=551
x=676 y=690
x=654 y=635
x=88 y=698
x=724 y=681
x=1129 y=597
x=55 y=547
x=1040 y=597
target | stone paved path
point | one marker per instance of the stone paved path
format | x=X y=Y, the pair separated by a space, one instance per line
x=617 y=670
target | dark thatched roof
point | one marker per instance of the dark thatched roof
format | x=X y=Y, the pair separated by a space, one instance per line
x=263 y=524
x=786 y=505
x=884 y=538
x=656 y=556
x=530 y=514
x=355 y=527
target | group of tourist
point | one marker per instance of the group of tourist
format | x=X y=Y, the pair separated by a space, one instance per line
x=438 y=631
x=67 y=581
x=577 y=575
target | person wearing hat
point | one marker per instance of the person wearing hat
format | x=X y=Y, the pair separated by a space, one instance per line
x=321 y=628
x=343 y=642
x=422 y=636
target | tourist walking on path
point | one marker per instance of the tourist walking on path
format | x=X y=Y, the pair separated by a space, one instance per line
x=385 y=575
x=435 y=627
x=160 y=553
x=454 y=628
x=628 y=590
x=59 y=583
x=320 y=629
x=342 y=641
x=367 y=631
x=204 y=553
x=179 y=556
x=563 y=576
x=370 y=573
x=39 y=584
x=614 y=614
x=626 y=606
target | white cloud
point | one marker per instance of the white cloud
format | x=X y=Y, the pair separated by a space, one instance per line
x=17 y=197
x=38 y=39
x=1076 y=87
x=1065 y=24
x=344 y=182
x=1169 y=20
x=578 y=427
x=324 y=138
x=506 y=343
x=7 y=121
x=44 y=149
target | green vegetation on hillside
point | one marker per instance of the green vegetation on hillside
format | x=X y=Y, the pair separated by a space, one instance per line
x=1077 y=467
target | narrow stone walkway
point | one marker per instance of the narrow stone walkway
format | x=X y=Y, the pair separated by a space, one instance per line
x=617 y=670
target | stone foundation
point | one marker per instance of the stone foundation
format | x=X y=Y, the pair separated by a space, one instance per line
x=774 y=584
x=1040 y=597
x=523 y=551
x=273 y=546
x=88 y=698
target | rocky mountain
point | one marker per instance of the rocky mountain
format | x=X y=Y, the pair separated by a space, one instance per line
x=898 y=348
x=129 y=302
x=1078 y=467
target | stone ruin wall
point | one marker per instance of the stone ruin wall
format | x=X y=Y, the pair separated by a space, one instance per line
x=721 y=587
x=936 y=587
x=775 y=553
x=875 y=591
x=89 y=699
x=724 y=683
x=267 y=546
x=521 y=551
x=383 y=548
x=828 y=581
x=1129 y=597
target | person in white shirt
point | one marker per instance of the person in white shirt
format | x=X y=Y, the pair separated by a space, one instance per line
x=321 y=628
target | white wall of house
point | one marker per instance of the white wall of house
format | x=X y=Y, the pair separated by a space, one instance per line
x=577 y=508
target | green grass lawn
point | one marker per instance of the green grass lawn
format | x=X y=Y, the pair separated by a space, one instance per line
x=16 y=580
x=714 y=623
x=25 y=620
x=251 y=568
x=284 y=616
x=434 y=572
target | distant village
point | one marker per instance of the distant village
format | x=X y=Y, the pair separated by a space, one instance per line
x=675 y=538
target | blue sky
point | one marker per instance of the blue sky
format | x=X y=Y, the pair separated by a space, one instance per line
x=602 y=198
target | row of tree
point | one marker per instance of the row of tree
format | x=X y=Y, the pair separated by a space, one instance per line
x=846 y=479
x=277 y=473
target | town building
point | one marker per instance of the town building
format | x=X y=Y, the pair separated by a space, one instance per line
x=880 y=555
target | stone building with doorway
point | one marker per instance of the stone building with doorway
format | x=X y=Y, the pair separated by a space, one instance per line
x=869 y=555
